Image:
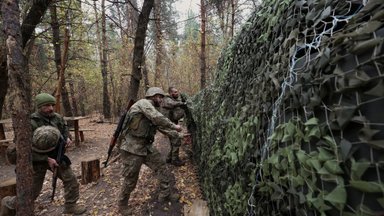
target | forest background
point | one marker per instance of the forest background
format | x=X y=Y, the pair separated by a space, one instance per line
x=87 y=48
x=95 y=56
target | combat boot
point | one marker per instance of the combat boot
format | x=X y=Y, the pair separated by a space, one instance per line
x=6 y=208
x=74 y=209
x=177 y=162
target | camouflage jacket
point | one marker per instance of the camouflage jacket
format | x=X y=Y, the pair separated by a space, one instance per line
x=57 y=121
x=140 y=126
x=171 y=108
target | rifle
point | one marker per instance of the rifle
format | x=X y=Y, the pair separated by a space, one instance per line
x=118 y=130
x=59 y=158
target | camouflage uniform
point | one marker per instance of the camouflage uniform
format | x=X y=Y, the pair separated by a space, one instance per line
x=136 y=148
x=171 y=109
x=40 y=165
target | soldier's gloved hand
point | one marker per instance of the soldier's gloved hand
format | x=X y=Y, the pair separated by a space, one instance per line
x=52 y=163
x=178 y=128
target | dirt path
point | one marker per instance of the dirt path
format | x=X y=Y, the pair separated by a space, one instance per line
x=101 y=197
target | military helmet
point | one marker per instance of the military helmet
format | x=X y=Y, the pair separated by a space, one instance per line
x=154 y=91
x=45 y=139
x=44 y=99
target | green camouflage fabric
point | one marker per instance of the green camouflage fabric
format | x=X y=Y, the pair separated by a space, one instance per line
x=40 y=164
x=45 y=139
x=57 y=121
x=171 y=108
x=136 y=147
x=175 y=139
x=131 y=169
x=140 y=126
x=293 y=123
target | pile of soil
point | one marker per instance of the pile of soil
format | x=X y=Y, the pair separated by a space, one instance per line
x=100 y=197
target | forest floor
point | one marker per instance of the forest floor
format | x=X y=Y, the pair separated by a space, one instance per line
x=100 y=197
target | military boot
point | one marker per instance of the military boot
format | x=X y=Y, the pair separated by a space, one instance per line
x=74 y=209
x=6 y=207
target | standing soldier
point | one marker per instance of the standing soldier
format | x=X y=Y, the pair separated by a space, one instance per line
x=136 y=148
x=172 y=107
x=48 y=127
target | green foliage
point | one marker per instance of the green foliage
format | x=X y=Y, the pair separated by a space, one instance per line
x=292 y=118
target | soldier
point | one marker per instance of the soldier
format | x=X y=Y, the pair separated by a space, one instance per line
x=48 y=126
x=136 y=148
x=172 y=108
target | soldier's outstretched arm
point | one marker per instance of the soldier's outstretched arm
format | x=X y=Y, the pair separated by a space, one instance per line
x=156 y=117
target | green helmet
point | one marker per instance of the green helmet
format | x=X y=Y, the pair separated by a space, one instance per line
x=154 y=91
x=45 y=139
x=44 y=99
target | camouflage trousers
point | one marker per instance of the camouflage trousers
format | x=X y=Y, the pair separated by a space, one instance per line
x=131 y=169
x=175 y=141
x=65 y=173
x=175 y=147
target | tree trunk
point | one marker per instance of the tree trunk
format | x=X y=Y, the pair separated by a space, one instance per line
x=202 y=45
x=73 y=96
x=58 y=62
x=233 y=9
x=61 y=77
x=3 y=74
x=82 y=95
x=33 y=17
x=20 y=103
x=104 y=65
x=101 y=37
x=138 y=50
x=158 y=43
x=133 y=16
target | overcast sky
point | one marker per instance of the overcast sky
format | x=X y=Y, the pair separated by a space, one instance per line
x=182 y=6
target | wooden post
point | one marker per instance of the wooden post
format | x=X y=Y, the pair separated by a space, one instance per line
x=8 y=188
x=90 y=170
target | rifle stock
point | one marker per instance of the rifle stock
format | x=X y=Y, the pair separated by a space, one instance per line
x=118 y=130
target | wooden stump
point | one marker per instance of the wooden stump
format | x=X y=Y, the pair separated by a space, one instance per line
x=8 y=188
x=199 y=208
x=90 y=170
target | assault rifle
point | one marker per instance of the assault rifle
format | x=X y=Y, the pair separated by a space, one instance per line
x=118 y=130
x=59 y=158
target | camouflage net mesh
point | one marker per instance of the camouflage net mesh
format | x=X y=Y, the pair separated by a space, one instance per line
x=293 y=124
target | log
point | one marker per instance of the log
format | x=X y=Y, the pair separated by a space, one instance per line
x=90 y=170
x=8 y=188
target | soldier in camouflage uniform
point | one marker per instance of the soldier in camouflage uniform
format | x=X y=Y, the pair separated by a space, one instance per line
x=44 y=154
x=172 y=108
x=136 y=148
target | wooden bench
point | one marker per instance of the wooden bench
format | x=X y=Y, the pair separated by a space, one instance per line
x=81 y=131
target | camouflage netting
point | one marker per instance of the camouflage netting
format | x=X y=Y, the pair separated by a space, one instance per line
x=294 y=122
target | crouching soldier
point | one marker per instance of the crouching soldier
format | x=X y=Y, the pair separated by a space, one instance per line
x=136 y=148
x=48 y=127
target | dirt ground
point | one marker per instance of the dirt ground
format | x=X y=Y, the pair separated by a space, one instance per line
x=100 y=197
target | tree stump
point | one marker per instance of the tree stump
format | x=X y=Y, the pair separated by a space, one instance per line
x=199 y=208
x=90 y=170
x=8 y=188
